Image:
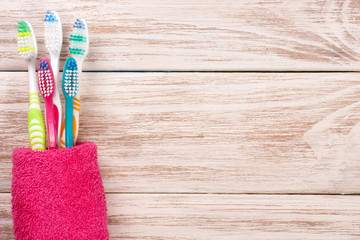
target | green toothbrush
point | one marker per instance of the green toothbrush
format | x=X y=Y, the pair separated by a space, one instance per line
x=28 y=50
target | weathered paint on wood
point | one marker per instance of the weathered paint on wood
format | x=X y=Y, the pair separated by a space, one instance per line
x=223 y=217
x=216 y=133
x=210 y=132
x=198 y=35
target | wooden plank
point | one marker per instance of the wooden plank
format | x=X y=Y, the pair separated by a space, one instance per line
x=6 y=225
x=223 y=217
x=209 y=132
x=198 y=35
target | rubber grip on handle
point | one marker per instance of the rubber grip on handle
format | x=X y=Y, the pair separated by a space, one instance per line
x=76 y=112
x=36 y=129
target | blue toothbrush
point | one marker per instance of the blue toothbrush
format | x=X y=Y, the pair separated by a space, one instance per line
x=70 y=86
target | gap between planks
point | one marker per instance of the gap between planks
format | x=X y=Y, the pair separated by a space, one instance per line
x=220 y=193
x=189 y=71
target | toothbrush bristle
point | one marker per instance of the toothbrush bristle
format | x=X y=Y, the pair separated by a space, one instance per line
x=71 y=78
x=45 y=79
x=26 y=44
x=53 y=32
x=79 y=40
x=50 y=17
x=79 y=24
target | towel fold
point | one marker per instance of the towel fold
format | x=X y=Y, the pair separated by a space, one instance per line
x=58 y=194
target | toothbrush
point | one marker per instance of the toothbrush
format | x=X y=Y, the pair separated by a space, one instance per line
x=47 y=89
x=79 y=47
x=28 y=50
x=53 y=40
x=70 y=86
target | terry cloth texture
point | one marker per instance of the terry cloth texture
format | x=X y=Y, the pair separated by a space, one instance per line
x=58 y=194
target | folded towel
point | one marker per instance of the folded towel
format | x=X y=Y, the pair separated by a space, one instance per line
x=58 y=194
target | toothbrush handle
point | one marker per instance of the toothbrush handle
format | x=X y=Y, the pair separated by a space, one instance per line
x=50 y=122
x=69 y=123
x=57 y=116
x=36 y=123
x=56 y=96
x=62 y=134
x=76 y=113
x=76 y=109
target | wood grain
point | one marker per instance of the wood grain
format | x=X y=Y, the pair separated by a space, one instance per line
x=223 y=217
x=210 y=132
x=200 y=35
x=179 y=151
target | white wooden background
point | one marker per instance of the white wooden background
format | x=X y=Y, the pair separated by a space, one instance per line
x=214 y=119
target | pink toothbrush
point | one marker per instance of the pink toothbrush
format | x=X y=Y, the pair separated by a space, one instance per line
x=47 y=89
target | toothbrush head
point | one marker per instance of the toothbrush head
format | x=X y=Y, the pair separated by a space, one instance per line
x=70 y=83
x=46 y=79
x=53 y=32
x=79 y=41
x=27 y=46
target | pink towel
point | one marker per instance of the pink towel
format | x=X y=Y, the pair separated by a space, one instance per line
x=58 y=194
